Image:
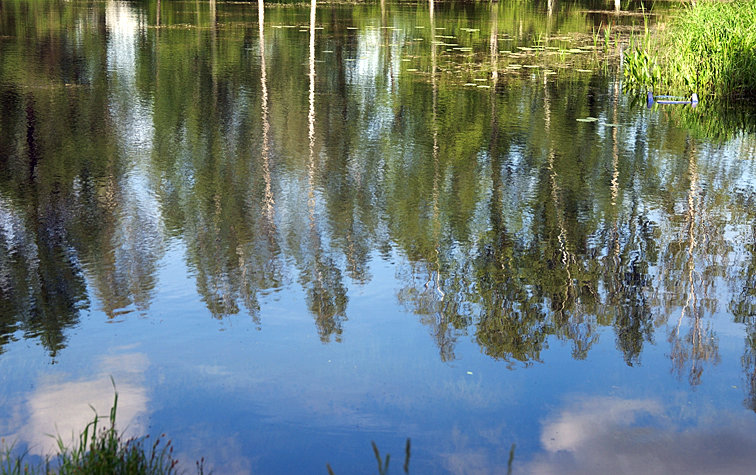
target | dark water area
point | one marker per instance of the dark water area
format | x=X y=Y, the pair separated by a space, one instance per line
x=371 y=223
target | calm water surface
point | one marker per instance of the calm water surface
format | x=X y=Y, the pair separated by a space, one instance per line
x=287 y=240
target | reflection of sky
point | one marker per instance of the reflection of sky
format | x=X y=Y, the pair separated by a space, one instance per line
x=139 y=235
x=64 y=408
x=123 y=26
x=633 y=436
x=12 y=229
x=134 y=117
x=248 y=399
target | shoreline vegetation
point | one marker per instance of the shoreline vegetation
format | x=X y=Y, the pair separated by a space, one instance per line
x=101 y=450
x=709 y=48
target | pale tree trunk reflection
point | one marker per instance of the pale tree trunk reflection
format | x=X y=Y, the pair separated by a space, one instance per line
x=326 y=292
x=268 y=201
x=699 y=345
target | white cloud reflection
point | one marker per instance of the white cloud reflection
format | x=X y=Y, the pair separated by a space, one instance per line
x=613 y=435
x=65 y=408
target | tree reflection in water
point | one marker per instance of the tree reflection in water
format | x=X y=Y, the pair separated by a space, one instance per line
x=509 y=220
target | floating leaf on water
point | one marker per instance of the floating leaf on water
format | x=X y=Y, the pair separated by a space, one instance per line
x=469 y=372
x=484 y=86
x=505 y=51
x=548 y=72
x=465 y=49
x=277 y=26
x=440 y=28
x=412 y=70
x=406 y=60
x=328 y=51
x=420 y=27
x=480 y=79
x=588 y=119
x=418 y=39
x=611 y=125
x=352 y=28
x=576 y=50
x=470 y=84
x=584 y=70
x=290 y=26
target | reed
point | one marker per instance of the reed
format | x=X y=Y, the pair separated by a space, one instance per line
x=100 y=451
x=709 y=48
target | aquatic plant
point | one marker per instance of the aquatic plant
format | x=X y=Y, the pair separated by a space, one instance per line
x=709 y=48
x=383 y=464
x=101 y=450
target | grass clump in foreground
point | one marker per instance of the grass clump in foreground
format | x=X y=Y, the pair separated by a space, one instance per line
x=101 y=451
x=709 y=48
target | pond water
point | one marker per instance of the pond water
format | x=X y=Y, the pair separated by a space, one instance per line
x=285 y=240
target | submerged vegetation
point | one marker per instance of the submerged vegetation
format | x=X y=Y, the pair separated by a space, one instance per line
x=710 y=48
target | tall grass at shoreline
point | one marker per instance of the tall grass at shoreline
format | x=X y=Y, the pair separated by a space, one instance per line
x=100 y=451
x=709 y=48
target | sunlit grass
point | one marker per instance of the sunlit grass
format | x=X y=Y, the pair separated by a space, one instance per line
x=709 y=48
